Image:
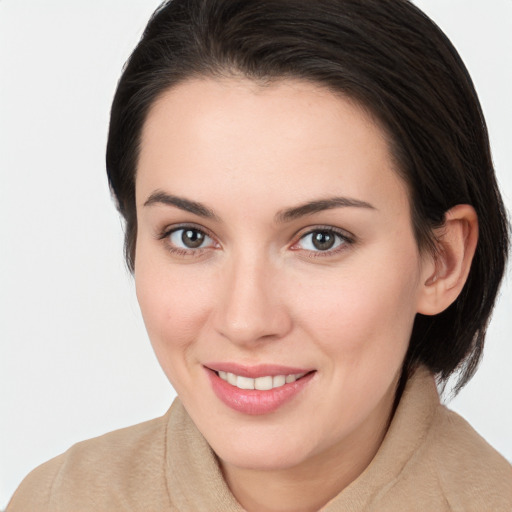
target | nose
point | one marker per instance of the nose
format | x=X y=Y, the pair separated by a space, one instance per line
x=251 y=307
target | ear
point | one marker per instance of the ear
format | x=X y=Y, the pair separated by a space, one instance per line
x=445 y=273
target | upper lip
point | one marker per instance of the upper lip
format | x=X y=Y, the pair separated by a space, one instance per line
x=255 y=371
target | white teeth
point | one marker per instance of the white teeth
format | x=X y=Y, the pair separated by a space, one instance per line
x=260 y=383
x=244 y=382
x=278 y=381
x=263 y=383
x=293 y=378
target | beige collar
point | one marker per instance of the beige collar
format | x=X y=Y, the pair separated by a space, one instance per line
x=195 y=480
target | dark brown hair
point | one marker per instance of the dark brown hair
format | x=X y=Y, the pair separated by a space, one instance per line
x=389 y=57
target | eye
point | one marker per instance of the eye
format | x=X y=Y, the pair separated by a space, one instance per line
x=187 y=239
x=322 y=240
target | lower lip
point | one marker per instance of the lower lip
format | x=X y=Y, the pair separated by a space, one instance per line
x=253 y=401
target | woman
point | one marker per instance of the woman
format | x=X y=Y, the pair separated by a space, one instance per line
x=315 y=231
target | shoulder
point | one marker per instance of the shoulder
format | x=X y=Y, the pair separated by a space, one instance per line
x=472 y=474
x=119 y=471
x=432 y=459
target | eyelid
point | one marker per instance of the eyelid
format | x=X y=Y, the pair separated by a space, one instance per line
x=167 y=231
x=347 y=238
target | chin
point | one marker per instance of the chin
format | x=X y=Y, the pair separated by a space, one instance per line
x=269 y=455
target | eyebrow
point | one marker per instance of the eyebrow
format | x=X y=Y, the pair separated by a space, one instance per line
x=287 y=215
x=319 y=206
x=159 y=197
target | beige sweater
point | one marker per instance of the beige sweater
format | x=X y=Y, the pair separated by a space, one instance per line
x=430 y=460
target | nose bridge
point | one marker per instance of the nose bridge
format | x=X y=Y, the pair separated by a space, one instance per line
x=251 y=307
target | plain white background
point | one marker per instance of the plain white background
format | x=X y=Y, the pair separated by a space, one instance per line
x=75 y=361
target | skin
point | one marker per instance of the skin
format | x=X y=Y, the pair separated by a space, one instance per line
x=258 y=291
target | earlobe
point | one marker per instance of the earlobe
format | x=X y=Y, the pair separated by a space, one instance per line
x=448 y=269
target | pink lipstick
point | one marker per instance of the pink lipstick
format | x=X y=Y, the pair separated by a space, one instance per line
x=259 y=389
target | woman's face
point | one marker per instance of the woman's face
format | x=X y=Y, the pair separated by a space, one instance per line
x=275 y=240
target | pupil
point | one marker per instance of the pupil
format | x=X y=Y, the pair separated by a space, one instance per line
x=323 y=240
x=192 y=238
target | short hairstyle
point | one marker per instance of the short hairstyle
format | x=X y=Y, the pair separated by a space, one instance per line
x=392 y=60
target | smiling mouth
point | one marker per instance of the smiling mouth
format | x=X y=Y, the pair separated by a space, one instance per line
x=260 y=389
x=264 y=383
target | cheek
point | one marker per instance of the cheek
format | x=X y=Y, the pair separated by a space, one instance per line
x=369 y=308
x=174 y=305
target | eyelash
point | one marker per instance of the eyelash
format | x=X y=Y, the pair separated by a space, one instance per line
x=165 y=237
x=344 y=239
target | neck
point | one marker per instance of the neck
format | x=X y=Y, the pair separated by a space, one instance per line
x=310 y=485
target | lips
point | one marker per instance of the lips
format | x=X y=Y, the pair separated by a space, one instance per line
x=258 y=389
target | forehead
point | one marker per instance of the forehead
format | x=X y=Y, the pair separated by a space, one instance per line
x=288 y=139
